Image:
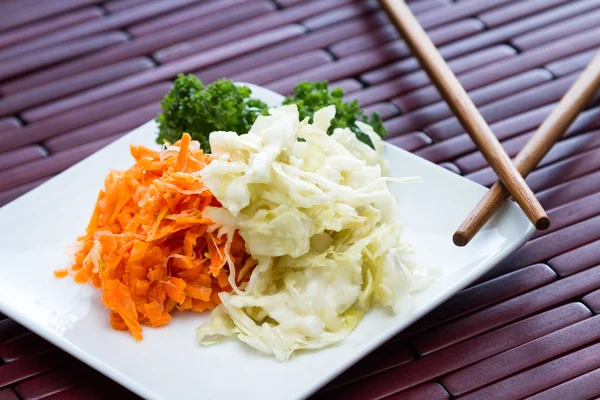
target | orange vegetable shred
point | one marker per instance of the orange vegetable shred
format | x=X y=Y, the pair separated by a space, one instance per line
x=61 y=273
x=147 y=246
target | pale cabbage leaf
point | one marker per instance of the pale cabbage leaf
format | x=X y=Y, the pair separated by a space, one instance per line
x=318 y=218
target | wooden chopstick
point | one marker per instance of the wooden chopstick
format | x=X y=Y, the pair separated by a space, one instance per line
x=540 y=143
x=464 y=109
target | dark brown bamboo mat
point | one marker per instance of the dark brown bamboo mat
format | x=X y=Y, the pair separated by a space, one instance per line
x=77 y=74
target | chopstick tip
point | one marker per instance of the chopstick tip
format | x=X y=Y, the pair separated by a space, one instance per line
x=543 y=223
x=460 y=239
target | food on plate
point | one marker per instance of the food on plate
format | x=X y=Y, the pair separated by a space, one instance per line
x=191 y=107
x=222 y=106
x=147 y=245
x=278 y=220
x=317 y=216
x=310 y=97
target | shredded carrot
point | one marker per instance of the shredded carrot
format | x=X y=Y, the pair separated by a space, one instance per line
x=61 y=273
x=147 y=246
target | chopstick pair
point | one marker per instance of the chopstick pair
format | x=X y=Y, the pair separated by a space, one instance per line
x=511 y=175
x=549 y=132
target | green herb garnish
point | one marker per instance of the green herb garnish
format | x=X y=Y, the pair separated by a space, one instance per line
x=310 y=97
x=191 y=107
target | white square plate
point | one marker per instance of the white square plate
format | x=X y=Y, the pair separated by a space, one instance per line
x=168 y=363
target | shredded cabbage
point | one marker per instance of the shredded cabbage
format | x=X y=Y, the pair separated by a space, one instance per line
x=318 y=218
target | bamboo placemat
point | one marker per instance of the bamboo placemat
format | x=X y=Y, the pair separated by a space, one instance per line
x=77 y=74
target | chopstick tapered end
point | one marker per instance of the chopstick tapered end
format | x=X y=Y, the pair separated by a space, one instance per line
x=543 y=223
x=460 y=239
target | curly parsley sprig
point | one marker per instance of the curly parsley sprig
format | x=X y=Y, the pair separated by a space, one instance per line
x=310 y=97
x=191 y=107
